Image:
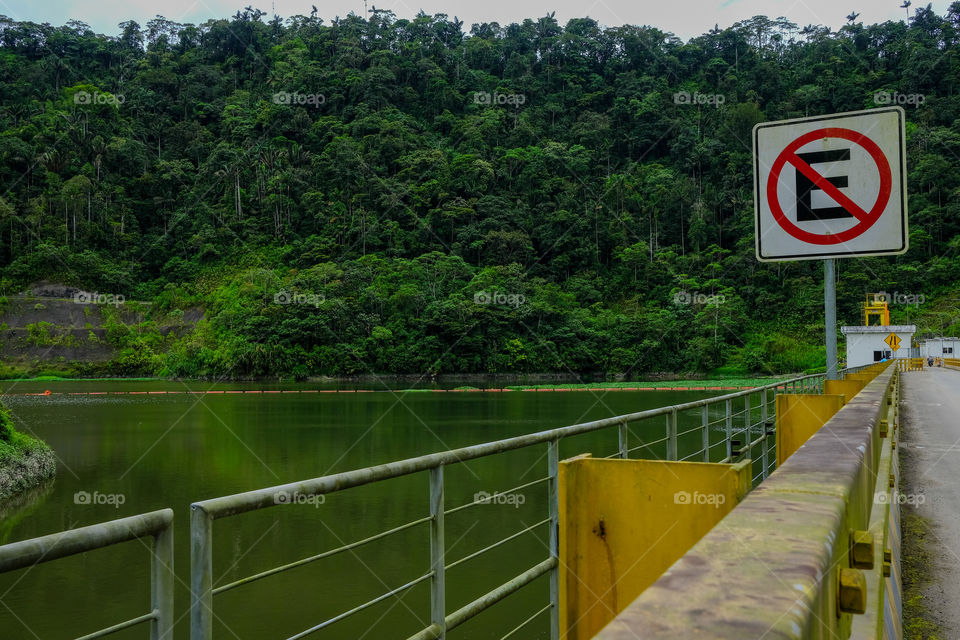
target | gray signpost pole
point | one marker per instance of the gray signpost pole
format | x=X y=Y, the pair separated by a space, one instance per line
x=830 y=315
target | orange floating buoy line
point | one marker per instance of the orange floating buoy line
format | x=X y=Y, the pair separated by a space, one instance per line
x=47 y=392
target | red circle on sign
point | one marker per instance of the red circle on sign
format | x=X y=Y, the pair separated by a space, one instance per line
x=869 y=218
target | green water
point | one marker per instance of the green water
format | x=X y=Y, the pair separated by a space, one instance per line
x=170 y=450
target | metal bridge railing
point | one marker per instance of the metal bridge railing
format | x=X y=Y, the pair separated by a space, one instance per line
x=745 y=427
x=156 y=524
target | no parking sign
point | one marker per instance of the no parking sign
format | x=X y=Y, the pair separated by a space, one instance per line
x=831 y=186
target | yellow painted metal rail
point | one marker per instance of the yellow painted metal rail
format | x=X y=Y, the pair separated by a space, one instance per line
x=910 y=364
x=624 y=522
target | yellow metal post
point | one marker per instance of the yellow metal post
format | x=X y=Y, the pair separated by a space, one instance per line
x=800 y=416
x=624 y=522
x=846 y=388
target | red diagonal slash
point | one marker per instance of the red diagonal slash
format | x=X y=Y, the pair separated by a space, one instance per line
x=827 y=187
x=865 y=219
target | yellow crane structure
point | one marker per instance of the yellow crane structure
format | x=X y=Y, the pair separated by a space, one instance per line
x=876 y=306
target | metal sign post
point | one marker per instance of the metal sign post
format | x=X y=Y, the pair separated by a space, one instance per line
x=830 y=315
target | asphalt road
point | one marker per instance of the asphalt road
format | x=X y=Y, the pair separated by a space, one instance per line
x=930 y=450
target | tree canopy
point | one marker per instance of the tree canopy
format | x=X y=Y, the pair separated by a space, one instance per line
x=511 y=198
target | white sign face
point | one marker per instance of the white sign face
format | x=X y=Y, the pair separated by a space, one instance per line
x=831 y=186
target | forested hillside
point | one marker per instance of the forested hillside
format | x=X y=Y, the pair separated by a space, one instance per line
x=394 y=196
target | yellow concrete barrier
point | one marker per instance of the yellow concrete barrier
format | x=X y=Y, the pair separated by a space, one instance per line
x=799 y=557
x=846 y=388
x=624 y=522
x=799 y=417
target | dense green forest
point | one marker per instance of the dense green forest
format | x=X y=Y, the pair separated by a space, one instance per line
x=412 y=196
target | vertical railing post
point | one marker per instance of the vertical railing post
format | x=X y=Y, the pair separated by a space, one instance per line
x=624 y=441
x=728 y=425
x=438 y=605
x=747 y=420
x=705 y=424
x=201 y=574
x=672 y=435
x=553 y=484
x=765 y=443
x=161 y=583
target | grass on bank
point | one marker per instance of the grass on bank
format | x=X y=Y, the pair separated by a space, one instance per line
x=14 y=445
x=25 y=462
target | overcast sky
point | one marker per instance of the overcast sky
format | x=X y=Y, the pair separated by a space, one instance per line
x=686 y=18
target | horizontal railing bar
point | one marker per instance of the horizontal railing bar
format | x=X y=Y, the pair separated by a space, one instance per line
x=647 y=445
x=484 y=602
x=695 y=453
x=526 y=622
x=263 y=498
x=120 y=626
x=359 y=608
x=319 y=556
x=496 y=544
x=505 y=491
x=17 y=555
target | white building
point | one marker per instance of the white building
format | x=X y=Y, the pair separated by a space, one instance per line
x=940 y=347
x=866 y=345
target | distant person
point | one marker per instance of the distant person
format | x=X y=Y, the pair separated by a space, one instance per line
x=929 y=361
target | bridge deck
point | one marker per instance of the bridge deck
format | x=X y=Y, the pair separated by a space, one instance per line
x=931 y=463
